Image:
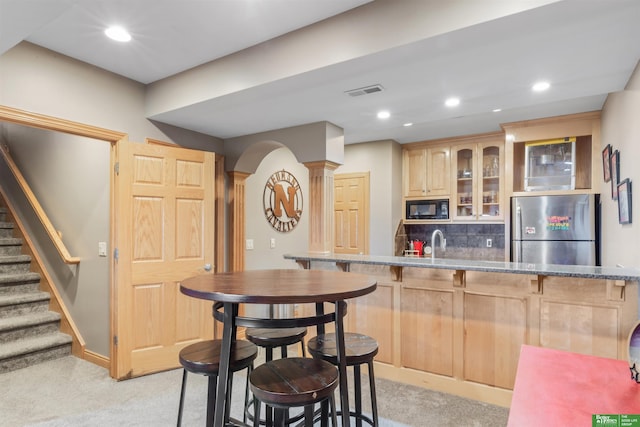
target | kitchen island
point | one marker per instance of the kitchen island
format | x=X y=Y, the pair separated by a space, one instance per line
x=457 y=326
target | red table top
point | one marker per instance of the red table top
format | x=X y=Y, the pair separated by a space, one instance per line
x=559 y=388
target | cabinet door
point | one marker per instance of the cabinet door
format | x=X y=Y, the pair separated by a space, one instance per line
x=438 y=167
x=479 y=181
x=464 y=161
x=491 y=181
x=415 y=172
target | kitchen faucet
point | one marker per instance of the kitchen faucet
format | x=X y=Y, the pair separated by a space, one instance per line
x=443 y=242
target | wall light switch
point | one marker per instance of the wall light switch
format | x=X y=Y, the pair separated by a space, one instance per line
x=249 y=244
x=102 y=248
x=272 y=243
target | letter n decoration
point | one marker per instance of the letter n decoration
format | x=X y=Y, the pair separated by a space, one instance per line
x=282 y=201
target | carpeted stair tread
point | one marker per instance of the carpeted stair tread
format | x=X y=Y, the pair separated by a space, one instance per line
x=33 y=344
x=29 y=331
x=10 y=241
x=13 y=299
x=19 y=277
x=14 y=259
x=31 y=319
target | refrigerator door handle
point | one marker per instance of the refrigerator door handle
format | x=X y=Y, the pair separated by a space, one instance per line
x=519 y=229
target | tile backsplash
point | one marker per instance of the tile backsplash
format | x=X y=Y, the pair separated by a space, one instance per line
x=464 y=241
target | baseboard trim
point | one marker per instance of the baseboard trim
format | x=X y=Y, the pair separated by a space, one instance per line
x=470 y=390
x=97 y=359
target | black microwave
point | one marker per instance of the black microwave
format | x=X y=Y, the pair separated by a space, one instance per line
x=427 y=209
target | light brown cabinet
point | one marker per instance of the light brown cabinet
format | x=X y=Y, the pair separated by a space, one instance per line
x=461 y=331
x=587 y=160
x=426 y=172
x=478 y=176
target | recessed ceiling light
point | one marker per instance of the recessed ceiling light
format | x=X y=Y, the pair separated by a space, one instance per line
x=407 y=124
x=497 y=110
x=384 y=115
x=541 y=86
x=452 y=102
x=118 y=34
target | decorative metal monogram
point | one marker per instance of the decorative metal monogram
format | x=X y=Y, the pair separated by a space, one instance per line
x=282 y=201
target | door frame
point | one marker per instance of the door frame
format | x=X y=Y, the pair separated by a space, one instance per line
x=44 y=122
x=41 y=121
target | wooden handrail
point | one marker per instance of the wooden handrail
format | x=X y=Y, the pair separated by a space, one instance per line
x=42 y=216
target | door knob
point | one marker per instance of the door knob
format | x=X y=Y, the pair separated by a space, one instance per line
x=207 y=267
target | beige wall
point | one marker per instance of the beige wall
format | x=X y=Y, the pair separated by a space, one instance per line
x=383 y=159
x=262 y=256
x=311 y=142
x=40 y=81
x=621 y=129
x=70 y=175
x=257 y=227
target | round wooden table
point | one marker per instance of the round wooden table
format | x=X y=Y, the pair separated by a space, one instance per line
x=278 y=287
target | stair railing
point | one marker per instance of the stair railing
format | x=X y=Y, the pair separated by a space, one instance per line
x=42 y=216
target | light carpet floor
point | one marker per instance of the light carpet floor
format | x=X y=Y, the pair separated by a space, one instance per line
x=73 y=392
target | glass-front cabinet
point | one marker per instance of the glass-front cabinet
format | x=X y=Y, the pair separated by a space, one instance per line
x=550 y=165
x=478 y=174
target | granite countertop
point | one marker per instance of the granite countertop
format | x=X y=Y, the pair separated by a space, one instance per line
x=611 y=273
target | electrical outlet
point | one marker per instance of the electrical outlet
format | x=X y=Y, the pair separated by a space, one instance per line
x=249 y=244
x=489 y=243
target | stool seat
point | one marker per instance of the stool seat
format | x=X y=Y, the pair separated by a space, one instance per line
x=275 y=337
x=270 y=339
x=203 y=357
x=294 y=382
x=359 y=348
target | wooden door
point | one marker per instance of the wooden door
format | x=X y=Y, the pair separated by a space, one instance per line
x=351 y=213
x=164 y=233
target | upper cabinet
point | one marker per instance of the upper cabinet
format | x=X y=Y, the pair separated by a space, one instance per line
x=555 y=155
x=550 y=165
x=559 y=165
x=478 y=174
x=426 y=171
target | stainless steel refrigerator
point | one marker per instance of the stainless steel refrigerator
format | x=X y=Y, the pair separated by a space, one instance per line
x=556 y=229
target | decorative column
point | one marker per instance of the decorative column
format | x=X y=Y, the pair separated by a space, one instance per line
x=321 y=206
x=220 y=210
x=237 y=192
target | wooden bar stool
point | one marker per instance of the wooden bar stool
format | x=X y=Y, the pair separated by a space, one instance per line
x=203 y=358
x=269 y=339
x=294 y=382
x=359 y=349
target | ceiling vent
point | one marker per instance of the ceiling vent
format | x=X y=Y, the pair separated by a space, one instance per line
x=365 y=90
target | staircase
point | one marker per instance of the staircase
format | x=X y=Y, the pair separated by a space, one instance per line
x=29 y=332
